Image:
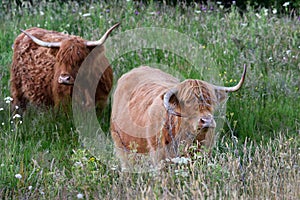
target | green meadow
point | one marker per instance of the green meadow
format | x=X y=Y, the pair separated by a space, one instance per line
x=257 y=152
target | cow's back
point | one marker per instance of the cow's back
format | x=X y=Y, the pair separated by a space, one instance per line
x=137 y=110
x=141 y=86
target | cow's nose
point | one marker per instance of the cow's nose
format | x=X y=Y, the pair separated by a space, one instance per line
x=207 y=122
x=65 y=79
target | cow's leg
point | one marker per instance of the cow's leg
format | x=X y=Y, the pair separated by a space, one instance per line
x=19 y=102
x=123 y=157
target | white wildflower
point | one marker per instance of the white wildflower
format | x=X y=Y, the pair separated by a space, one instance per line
x=78 y=164
x=181 y=173
x=266 y=12
x=274 y=11
x=288 y=52
x=29 y=187
x=1 y=109
x=113 y=168
x=79 y=196
x=42 y=13
x=2 y=123
x=8 y=99
x=17 y=107
x=210 y=164
x=184 y=174
x=16 y=116
x=2 y=165
x=18 y=176
x=197 y=11
x=86 y=15
x=286 y=4
x=257 y=15
x=180 y=160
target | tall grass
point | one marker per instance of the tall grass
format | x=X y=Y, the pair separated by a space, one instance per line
x=257 y=154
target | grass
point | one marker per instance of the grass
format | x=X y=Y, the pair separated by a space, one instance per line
x=257 y=153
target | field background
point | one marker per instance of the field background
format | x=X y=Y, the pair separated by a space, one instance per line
x=257 y=153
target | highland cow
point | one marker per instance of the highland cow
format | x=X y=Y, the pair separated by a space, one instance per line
x=45 y=65
x=153 y=113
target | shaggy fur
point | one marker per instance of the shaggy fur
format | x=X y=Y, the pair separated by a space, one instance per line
x=141 y=124
x=35 y=69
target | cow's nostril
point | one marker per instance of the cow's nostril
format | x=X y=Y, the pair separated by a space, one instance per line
x=65 y=79
x=207 y=122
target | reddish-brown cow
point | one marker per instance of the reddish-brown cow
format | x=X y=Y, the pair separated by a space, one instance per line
x=45 y=65
x=153 y=113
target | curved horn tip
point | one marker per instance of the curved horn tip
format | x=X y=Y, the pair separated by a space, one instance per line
x=245 y=70
x=103 y=38
x=236 y=87
x=117 y=24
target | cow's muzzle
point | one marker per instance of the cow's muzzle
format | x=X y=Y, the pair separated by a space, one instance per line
x=207 y=122
x=66 y=79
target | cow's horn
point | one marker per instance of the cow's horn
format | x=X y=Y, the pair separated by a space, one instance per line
x=40 y=42
x=104 y=37
x=236 y=87
x=167 y=105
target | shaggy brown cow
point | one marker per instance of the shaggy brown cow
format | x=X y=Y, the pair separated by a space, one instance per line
x=45 y=65
x=153 y=113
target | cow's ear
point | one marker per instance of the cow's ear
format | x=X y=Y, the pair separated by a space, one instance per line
x=173 y=99
x=221 y=95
